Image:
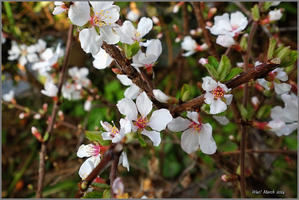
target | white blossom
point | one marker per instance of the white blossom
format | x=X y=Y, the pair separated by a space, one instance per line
x=115 y=134
x=157 y=122
x=275 y=15
x=8 y=96
x=129 y=34
x=216 y=95
x=195 y=134
x=102 y=59
x=285 y=120
x=22 y=53
x=50 y=89
x=191 y=46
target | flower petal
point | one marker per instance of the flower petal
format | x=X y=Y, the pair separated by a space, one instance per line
x=125 y=125
x=217 y=106
x=109 y=35
x=88 y=165
x=160 y=96
x=132 y=92
x=228 y=98
x=154 y=136
x=159 y=119
x=123 y=159
x=106 y=136
x=193 y=116
x=208 y=84
x=178 y=124
x=281 y=88
x=124 y=79
x=102 y=59
x=144 y=26
x=90 y=40
x=127 y=32
x=190 y=140
x=144 y=104
x=128 y=108
x=85 y=150
x=225 y=40
x=206 y=141
x=79 y=13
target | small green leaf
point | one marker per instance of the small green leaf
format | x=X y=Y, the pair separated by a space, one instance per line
x=243 y=112
x=141 y=140
x=243 y=42
x=272 y=44
x=212 y=71
x=96 y=136
x=224 y=67
x=283 y=53
x=266 y=5
x=131 y=50
x=106 y=194
x=46 y=136
x=264 y=112
x=93 y=194
x=234 y=72
x=255 y=12
x=213 y=61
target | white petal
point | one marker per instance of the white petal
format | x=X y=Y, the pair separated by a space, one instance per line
x=144 y=26
x=281 y=88
x=124 y=79
x=189 y=44
x=132 y=92
x=221 y=25
x=208 y=84
x=87 y=105
x=217 y=106
x=178 y=124
x=57 y=10
x=281 y=74
x=88 y=165
x=206 y=141
x=193 y=116
x=128 y=108
x=106 y=136
x=160 y=96
x=144 y=104
x=102 y=59
x=107 y=126
x=153 y=135
x=79 y=13
x=209 y=98
x=225 y=40
x=123 y=159
x=159 y=119
x=85 y=150
x=109 y=35
x=101 y=5
x=237 y=19
x=190 y=140
x=90 y=40
x=125 y=125
x=264 y=83
x=127 y=32
x=154 y=48
x=228 y=98
x=275 y=15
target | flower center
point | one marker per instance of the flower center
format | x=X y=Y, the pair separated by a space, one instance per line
x=96 y=150
x=195 y=126
x=141 y=123
x=218 y=92
x=136 y=36
x=114 y=131
x=235 y=27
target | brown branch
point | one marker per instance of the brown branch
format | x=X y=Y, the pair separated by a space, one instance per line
x=201 y=22
x=41 y=171
x=140 y=79
x=270 y=151
x=113 y=173
x=253 y=73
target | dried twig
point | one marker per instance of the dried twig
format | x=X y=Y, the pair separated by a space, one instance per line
x=42 y=155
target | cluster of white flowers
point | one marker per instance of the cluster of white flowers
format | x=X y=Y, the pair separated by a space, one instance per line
x=227 y=28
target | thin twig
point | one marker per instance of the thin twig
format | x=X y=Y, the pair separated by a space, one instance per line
x=42 y=155
x=201 y=22
x=113 y=173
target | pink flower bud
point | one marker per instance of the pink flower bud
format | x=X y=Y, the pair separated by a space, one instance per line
x=203 y=61
x=36 y=134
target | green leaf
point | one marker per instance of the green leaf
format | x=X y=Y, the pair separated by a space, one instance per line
x=96 y=136
x=185 y=92
x=243 y=42
x=224 y=67
x=255 y=12
x=271 y=48
x=234 y=72
x=266 y=5
x=141 y=140
x=131 y=50
x=212 y=71
x=290 y=59
x=243 y=112
x=94 y=194
x=106 y=194
x=264 y=112
x=213 y=61
x=283 y=53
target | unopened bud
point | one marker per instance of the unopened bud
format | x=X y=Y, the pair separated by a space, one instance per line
x=211 y=12
x=255 y=102
x=36 y=134
x=229 y=177
x=45 y=107
x=116 y=70
x=231 y=137
x=37 y=116
x=203 y=61
x=155 y=20
x=160 y=35
x=22 y=115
